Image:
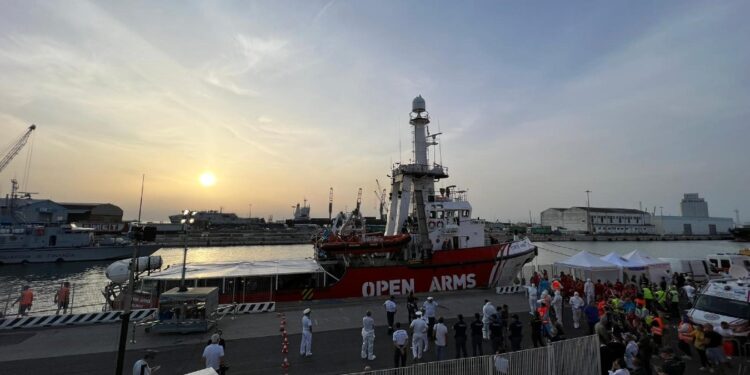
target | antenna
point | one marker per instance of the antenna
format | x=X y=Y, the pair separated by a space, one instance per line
x=140 y=204
x=330 y=203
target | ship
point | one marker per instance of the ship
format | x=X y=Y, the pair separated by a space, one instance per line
x=741 y=234
x=431 y=243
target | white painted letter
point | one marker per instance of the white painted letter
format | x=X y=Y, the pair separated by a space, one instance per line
x=368 y=289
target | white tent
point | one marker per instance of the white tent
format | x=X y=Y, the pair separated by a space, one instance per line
x=585 y=265
x=656 y=268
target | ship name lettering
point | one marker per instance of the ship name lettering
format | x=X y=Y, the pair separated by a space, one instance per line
x=453 y=282
x=387 y=287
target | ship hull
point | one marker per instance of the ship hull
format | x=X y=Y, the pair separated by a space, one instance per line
x=447 y=270
x=741 y=234
x=72 y=254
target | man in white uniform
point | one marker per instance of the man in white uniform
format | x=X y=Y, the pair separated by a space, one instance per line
x=531 y=292
x=143 y=366
x=589 y=291
x=390 y=311
x=430 y=308
x=419 y=336
x=487 y=311
x=305 y=347
x=368 y=337
x=557 y=304
x=576 y=304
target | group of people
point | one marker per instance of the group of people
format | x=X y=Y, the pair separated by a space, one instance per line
x=26 y=299
x=632 y=321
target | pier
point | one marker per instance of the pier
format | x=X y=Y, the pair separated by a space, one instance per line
x=253 y=342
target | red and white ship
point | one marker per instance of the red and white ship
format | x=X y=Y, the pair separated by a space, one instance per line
x=431 y=243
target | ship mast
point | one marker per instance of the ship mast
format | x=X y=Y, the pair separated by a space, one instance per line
x=413 y=185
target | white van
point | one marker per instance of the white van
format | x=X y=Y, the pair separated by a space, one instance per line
x=698 y=269
x=723 y=262
x=726 y=300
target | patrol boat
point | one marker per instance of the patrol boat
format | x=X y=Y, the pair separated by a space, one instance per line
x=430 y=243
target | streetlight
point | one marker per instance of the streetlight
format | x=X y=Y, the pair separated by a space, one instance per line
x=188 y=218
x=588 y=213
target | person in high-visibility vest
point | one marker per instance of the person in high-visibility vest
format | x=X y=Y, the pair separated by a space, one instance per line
x=661 y=298
x=657 y=330
x=24 y=301
x=674 y=305
x=648 y=295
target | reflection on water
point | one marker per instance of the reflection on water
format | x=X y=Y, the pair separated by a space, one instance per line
x=88 y=277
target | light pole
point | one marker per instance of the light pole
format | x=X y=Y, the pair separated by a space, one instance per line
x=188 y=217
x=588 y=212
x=250 y=211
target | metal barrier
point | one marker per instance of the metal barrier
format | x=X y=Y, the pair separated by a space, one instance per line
x=579 y=356
x=508 y=289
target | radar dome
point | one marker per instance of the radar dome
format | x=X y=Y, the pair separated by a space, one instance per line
x=418 y=104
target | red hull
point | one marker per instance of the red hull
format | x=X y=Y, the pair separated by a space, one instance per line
x=458 y=269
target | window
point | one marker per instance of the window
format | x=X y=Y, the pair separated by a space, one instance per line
x=723 y=306
x=433 y=214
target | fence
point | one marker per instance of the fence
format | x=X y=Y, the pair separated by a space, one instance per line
x=85 y=297
x=579 y=356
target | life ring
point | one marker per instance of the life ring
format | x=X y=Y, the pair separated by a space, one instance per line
x=440 y=224
x=432 y=225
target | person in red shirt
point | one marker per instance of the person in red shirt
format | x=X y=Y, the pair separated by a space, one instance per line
x=62 y=298
x=25 y=301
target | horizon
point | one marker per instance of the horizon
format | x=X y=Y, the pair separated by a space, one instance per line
x=223 y=106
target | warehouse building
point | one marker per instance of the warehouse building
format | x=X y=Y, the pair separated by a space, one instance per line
x=598 y=220
x=694 y=220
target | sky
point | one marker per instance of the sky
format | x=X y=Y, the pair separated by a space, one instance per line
x=638 y=102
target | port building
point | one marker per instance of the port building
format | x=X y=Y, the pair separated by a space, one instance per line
x=694 y=219
x=598 y=220
x=32 y=211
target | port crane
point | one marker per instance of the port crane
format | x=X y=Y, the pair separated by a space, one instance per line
x=16 y=147
x=330 y=203
x=380 y=195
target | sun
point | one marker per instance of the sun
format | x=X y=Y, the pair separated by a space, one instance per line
x=207 y=179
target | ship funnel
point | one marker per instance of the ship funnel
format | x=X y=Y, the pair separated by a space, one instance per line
x=119 y=272
x=418 y=104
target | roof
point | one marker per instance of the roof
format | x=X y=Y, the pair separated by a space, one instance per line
x=619 y=260
x=586 y=260
x=613 y=210
x=638 y=256
x=238 y=269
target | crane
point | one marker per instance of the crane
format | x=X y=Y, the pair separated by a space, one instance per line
x=380 y=195
x=16 y=147
x=359 y=201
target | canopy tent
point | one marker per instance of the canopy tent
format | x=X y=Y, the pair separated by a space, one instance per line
x=238 y=269
x=626 y=264
x=586 y=265
x=656 y=269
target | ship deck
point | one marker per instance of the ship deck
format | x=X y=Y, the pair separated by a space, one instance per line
x=253 y=342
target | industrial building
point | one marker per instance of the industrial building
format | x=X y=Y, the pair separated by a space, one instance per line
x=694 y=219
x=34 y=211
x=598 y=220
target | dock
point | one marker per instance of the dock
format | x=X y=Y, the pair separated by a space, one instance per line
x=253 y=341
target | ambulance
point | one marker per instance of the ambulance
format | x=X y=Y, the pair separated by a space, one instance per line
x=725 y=300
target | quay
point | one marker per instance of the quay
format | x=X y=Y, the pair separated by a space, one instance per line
x=253 y=342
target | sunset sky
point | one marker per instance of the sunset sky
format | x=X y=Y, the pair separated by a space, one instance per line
x=636 y=101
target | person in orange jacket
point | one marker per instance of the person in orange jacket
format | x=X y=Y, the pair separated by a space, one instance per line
x=24 y=301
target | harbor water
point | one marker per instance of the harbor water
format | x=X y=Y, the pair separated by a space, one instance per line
x=88 y=279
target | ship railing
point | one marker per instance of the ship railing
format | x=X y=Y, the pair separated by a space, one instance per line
x=85 y=297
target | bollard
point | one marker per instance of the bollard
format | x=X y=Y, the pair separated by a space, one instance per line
x=285 y=363
x=285 y=349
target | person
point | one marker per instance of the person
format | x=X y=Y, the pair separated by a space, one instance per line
x=699 y=342
x=727 y=333
x=648 y=296
x=143 y=365
x=368 y=337
x=487 y=311
x=685 y=337
x=441 y=339
x=589 y=291
x=24 y=301
x=496 y=333
x=62 y=298
x=576 y=306
x=516 y=333
x=619 y=368
x=592 y=317
x=689 y=291
x=631 y=350
x=459 y=334
x=557 y=303
x=603 y=330
x=714 y=350
x=671 y=365
x=531 y=293
x=544 y=285
x=674 y=302
x=222 y=343
x=477 y=326
x=400 y=337
x=657 y=330
x=213 y=355
x=536 y=330
x=305 y=346
x=419 y=336
x=637 y=368
x=556 y=331
x=390 y=312
x=430 y=308
x=411 y=306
